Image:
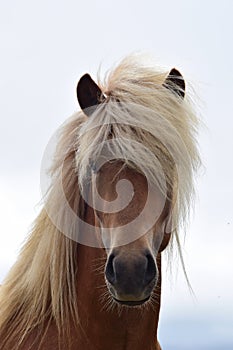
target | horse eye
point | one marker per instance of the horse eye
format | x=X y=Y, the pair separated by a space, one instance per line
x=93 y=167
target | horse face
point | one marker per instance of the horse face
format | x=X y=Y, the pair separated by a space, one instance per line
x=131 y=271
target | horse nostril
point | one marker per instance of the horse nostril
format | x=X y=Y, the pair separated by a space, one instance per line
x=130 y=274
x=151 y=269
x=109 y=270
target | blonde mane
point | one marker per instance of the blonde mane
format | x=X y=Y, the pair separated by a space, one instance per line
x=41 y=286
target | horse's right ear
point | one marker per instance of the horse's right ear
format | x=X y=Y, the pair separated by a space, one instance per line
x=89 y=94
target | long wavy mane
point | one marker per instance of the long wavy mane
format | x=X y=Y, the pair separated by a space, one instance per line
x=41 y=286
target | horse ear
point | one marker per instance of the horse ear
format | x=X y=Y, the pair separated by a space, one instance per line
x=175 y=82
x=89 y=94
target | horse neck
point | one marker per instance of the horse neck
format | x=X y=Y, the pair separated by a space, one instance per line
x=116 y=328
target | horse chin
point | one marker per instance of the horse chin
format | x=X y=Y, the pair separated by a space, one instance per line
x=132 y=303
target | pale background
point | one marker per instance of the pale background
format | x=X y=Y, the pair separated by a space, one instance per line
x=45 y=47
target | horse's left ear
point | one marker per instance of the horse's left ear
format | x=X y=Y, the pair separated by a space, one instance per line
x=175 y=82
x=89 y=94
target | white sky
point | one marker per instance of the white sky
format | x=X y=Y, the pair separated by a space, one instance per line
x=45 y=47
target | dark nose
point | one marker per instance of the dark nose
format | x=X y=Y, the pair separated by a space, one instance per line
x=130 y=274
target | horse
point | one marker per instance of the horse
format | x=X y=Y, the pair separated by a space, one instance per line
x=121 y=188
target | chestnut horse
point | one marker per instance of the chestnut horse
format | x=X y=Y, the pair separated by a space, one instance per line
x=89 y=275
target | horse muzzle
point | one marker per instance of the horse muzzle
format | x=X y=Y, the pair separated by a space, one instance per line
x=131 y=277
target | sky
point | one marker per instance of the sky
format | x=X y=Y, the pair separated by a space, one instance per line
x=45 y=48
